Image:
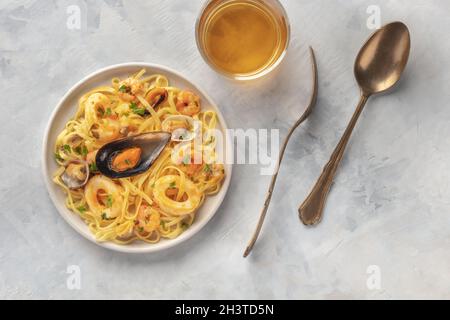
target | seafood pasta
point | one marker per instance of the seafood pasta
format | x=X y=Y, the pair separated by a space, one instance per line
x=161 y=200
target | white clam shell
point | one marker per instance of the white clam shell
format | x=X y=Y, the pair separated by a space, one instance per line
x=72 y=182
x=187 y=135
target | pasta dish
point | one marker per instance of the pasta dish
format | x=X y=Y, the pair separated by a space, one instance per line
x=149 y=194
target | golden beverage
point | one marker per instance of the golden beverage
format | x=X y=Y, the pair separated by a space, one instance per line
x=243 y=39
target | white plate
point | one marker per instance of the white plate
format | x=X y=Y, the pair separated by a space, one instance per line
x=66 y=109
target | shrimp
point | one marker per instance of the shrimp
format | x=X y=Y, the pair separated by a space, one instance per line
x=214 y=171
x=190 y=159
x=103 y=197
x=130 y=88
x=188 y=103
x=156 y=96
x=96 y=106
x=210 y=177
x=148 y=219
x=195 y=164
x=107 y=131
x=90 y=159
x=193 y=168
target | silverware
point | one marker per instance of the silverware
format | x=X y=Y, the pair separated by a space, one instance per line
x=378 y=67
x=305 y=115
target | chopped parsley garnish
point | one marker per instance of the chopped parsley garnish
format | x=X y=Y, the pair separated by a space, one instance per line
x=141 y=229
x=140 y=112
x=67 y=148
x=109 y=201
x=127 y=161
x=84 y=151
x=58 y=157
x=207 y=168
x=93 y=167
x=105 y=216
x=82 y=209
x=136 y=109
x=108 y=112
x=172 y=185
x=78 y=150
x=123 y=88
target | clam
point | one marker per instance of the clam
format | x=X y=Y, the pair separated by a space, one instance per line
x=76 y=174
x=182 y=128
x=131 y=156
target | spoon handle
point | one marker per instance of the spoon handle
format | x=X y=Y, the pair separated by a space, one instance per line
x=311 y=209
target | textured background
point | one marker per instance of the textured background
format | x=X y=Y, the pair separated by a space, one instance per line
x=389 y=207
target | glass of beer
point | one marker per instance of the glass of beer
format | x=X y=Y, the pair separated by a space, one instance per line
x=243 y=39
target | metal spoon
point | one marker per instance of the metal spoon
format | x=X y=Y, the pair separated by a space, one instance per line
x=378 y=67
x=312 y=103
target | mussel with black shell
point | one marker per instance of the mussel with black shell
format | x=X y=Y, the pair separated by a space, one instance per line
x=131 y=156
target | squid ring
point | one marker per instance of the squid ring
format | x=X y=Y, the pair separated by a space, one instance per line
x=113 y=205
x=176 y=207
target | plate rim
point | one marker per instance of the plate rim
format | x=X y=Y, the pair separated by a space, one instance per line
x=111 y=245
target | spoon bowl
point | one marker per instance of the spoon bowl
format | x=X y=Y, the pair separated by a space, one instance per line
x=383 y=58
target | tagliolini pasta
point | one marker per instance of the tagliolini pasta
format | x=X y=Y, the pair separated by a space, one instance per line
x=159 y=203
